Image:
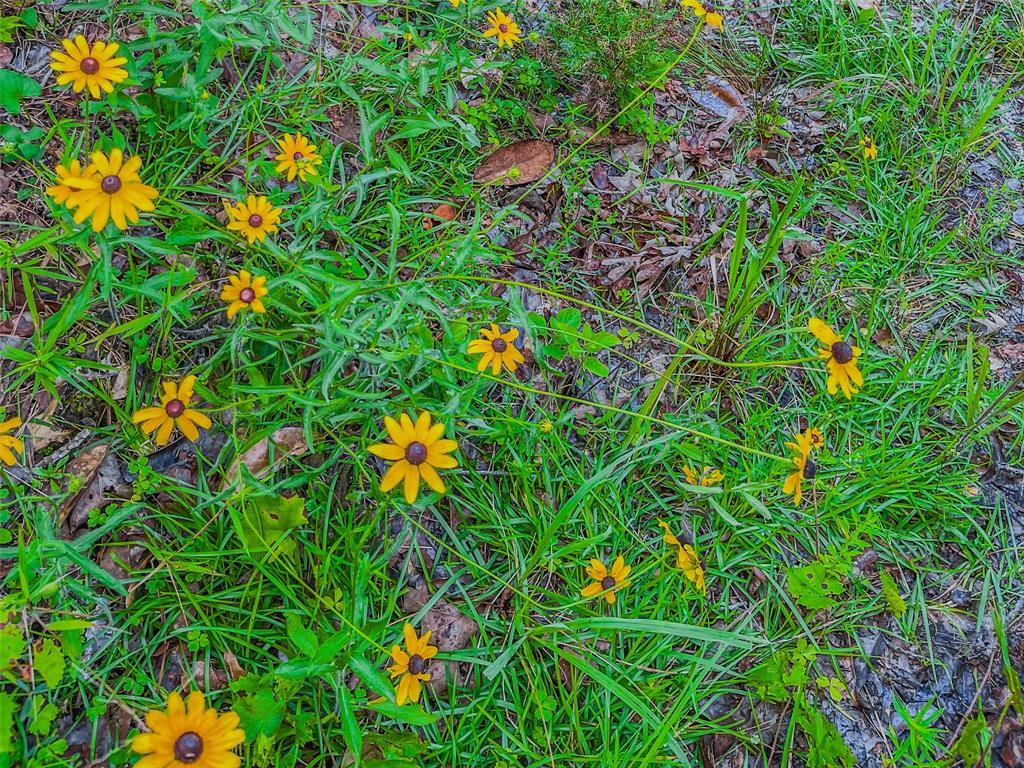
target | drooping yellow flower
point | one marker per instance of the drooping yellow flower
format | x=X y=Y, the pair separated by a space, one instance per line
x=804 y=442
x=870 y=148
x=94 y=67
x=606 y=581
x=804 y=465
x=243 y=291
x=255 y=218
x=9 y=443
x=410 y=664
x=299 y=157
x=686 y=558
x=503 y=28
x=840 y=359
x=189 y=735
x=417 y=451
x=173 y=412
x=706 y=477
x=711 y=17
x=110 y=189
x=497 y=349
x=60 y=192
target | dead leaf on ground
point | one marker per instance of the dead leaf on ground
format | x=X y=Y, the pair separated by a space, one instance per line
x=288 y=441
x=99 y=473
x=644 y=268
x=722 y=99
x=518 y=163
x=443 y=212
x=235 y=671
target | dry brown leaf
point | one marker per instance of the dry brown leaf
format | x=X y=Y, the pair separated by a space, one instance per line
x=444 y=212
x=101 y=483
x=235 y=671
x=288 y=441
x=44 y=435
x=518 y=163
x=722 y=99
x=644 y=268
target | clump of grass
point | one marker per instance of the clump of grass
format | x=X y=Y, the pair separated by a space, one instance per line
x=613 y=47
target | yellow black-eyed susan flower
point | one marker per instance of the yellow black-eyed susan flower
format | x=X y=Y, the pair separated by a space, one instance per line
x=869 y=147
x=704 y=11
x=411 y=664
x=299 y=157
x=110 y=189
x=686 y=558
x=840 y=359
x=243 y=291
x=60 y=192
x=96 y=66
x=497 y=349
x=503 y=28
x=254 y=219
x=605 y=580
x=417 y=451
x=705 y=477
x=173 y=412
x=804 y=466
x=188 y=734
x=8 y=442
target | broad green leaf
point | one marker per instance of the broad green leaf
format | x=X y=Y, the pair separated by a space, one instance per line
x=261 y=714
x=48 y=661
x=14 y=87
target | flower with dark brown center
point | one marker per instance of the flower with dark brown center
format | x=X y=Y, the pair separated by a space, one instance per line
x=111 y=184
x=607 y=582
x=499 y=345
x=188 y=747
x=246 y=295
x=810 y=469
x=842 y=352
x=90 y=65
x=417 y=664
x=416 y=453
x=255 y=220
x=175 y=408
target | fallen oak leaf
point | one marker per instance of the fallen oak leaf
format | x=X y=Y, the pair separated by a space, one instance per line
x=287 y=441
x=518 y=163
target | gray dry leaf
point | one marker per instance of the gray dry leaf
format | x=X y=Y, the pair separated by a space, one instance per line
x=722 y=99
x=288 y=441
x=101 y=483
x=518 y=163
x=646 y=266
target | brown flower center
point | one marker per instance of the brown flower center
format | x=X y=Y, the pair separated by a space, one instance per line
x=810 y=469
x=842 y=352
x=247 y=295
x=110 y=184
x=175 y=408
x=255 y=220
x=297 y=156
x=416 y=452
x=503 y=28
x=417 y=664
x=89 y=65
x=607 y=582
x=499 y=345
x=188 y=747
